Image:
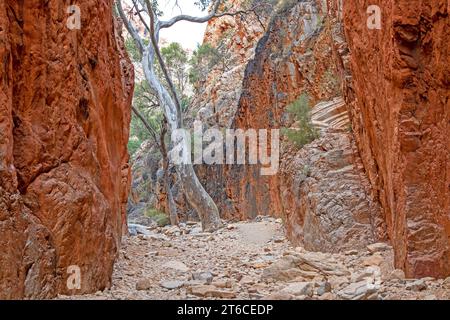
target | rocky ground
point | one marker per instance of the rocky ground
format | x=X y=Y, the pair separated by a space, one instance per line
x=253 y=260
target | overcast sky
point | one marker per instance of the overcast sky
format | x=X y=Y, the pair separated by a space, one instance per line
x=188 y=34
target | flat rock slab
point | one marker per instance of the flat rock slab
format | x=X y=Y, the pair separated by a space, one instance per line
x=257 y=233
x=176 y=265
x=171 y=284
x=212 y=291
x=300 y=289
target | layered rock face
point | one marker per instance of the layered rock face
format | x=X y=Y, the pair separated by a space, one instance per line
x=65 y=97
x=235 y=36
x=320 y=190
x=396 y=89
x=400 y=111
x=326 y=194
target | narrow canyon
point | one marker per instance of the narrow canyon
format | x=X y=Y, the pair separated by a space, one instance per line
x=85 y=180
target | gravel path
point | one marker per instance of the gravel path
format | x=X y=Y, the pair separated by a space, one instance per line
x=253 y=260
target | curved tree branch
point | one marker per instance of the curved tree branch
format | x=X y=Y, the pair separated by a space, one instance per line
x=130 y=28
x=183 y=17
x=196 y=195
x=163 y=65
x=213 y=14
x=140 y=16
x=147 y=125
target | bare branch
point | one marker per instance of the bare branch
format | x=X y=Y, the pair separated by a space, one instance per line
x=147 y=125
x=163 y=65
x=213 y=14
x=130 y=28
x=183 y=17
x=197 y=196
x=140 y=16
x=152 y=105
x=176 y=4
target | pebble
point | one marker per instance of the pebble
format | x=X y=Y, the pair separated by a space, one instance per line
x=212 y=291
x=397 y=274
x=446 y=283
x=417 y=285
x=357 y=291
x=374 y=260
x=205 y=276
x=323 y=287
x=162 y=264
x=143 y=284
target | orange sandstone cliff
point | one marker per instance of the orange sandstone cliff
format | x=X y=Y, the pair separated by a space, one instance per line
x=65 y=100
x=400 y=108
x=380 y=97
x=388 y=175
x=395 y=84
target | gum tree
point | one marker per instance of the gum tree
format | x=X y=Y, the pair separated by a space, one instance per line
x=148 y=48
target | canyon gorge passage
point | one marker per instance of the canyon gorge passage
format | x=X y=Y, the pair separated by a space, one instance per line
x=358 y=89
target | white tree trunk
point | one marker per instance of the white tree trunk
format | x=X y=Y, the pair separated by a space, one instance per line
x=196 y=195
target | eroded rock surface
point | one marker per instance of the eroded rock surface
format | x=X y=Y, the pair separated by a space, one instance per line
x=302 y=52
x=385 y=175
x=320 y=190
x=64 y=119
x=223 y=265
x=218 y=95
x=400 y=110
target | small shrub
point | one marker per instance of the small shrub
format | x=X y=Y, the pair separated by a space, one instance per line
x=204 y=58
x=305 y=133
x=350 y=127
x=132 y=50
x=133 y=145
x=306 y=171
x=159 y=217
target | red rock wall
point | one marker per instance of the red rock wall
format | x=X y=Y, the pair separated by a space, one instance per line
x=286 y=64
x=64 y=121
x=302 y=53
x=401 y=118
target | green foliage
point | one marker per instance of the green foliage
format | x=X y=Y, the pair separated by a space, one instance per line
x=142 y=101
x=159 y=217
x=156 y=9
x=185 y=103
x=320 y=20
x=204 y=58
x=306 y=171
x=176 y=60
x=305 y=133
x=202 y=4
x=174 y=55
x=134 y=142
x=132 y=50
x=350 y=127
x=285 y=5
